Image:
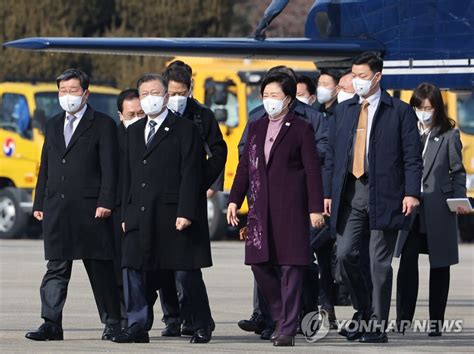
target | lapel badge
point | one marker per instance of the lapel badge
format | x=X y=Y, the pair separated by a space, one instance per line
x=287 y=124
x=436 y=139
x=167 y=129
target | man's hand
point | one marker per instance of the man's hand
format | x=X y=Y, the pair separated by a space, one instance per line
x=232 y=218
x=317 y=220
x=182 y=223
x=123 y=227
x=409 y=204
x=210 y=193
x=327 y=206
x=38 y=215
x=102 y=213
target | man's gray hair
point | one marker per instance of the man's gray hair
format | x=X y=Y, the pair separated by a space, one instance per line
x=152 y=77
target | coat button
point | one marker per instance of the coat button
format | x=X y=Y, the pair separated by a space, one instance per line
x=142 y=208
x=62 y=196
x=63 y=178
x=143 y=185
x=63 y=161
x=144 y=162
x=426 y=185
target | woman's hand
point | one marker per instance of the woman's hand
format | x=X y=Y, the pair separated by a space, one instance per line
x=462 y=211
x=317 y=220
x=232 y=218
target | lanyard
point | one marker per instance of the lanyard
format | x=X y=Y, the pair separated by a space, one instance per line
x=426 y=146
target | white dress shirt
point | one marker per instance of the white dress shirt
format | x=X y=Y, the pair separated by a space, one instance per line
x=159 y=120
x=374 y=101
x=78 y=116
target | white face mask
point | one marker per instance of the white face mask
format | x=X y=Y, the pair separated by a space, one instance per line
x=177 y=103
x=303 y=99
x=424 y=117
x=152 y=105
x=71 y=103
x=344 y=96
x=129 y=122
x=273 y=106
x=324 y=94
x=362 y=87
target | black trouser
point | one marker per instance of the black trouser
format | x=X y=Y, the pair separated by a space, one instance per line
x=55 y=282
x=194 y=305
x=407 y=280
x=118 y=236
x=353 y=224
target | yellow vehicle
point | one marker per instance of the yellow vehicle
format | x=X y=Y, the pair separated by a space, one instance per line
x=231 y=88
x=24 y=109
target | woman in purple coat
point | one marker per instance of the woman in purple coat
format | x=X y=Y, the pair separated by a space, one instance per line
x=280 y=171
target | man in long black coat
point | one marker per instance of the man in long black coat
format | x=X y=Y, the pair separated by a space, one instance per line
x=161 y=200
x=74 y=197
x=193 y=303
x=129 y=111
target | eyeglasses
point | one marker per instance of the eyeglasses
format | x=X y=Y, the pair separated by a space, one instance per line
x=152 y=93
x=132 y=115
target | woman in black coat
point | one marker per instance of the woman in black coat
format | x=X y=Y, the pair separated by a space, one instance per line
x=435 y=228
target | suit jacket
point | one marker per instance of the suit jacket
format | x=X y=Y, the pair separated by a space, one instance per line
x=212 y=136
x=303 y=111
x=73 y=182
x=163 y=182
x=395 y=164
x=444 y=177
x=282 y=192
x=122 y=149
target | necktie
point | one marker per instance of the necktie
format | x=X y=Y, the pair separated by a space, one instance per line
x=360 y=143
x=151 y=133
x=69 y=129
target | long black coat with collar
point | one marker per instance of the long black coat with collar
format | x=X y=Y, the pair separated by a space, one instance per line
x=73 y=182
x=211 y=134
x=163 y=182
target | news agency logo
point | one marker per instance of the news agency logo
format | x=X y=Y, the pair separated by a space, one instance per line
x=315 y=326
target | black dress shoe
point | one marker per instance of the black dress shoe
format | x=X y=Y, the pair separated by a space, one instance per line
x=201 y=336
x=331 y=318
x=47 y=331
x=267 y=333
x=187 y=330
x=355 y=329
x=434 y=334
x=284 y=341
x=172 y=330
x=255 y=324
x=374 y=337
x=111 y=331
x=134 y=334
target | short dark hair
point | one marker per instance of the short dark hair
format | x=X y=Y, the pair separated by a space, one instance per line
x=372 y=59
x=178 y=74
x=126 y=95
x=333 y=73
x=180 y=64
x=152 y=77
x=345 y=72
x=441 y=122
x=310 y=85
x=283 y=69
x=74 y=74
x=286 y=82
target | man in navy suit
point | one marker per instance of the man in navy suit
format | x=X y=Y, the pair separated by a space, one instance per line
x=374 y=165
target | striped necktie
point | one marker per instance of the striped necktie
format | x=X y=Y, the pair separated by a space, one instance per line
x=151 y=133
